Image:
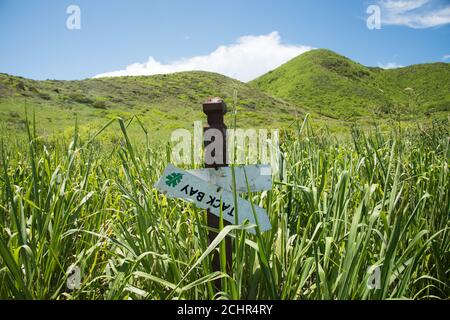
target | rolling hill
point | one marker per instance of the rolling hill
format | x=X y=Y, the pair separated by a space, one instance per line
x=162 y=102
x=333 y=85
x=335 y=89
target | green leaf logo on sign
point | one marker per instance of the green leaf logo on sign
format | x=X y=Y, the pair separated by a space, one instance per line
x=173 y=179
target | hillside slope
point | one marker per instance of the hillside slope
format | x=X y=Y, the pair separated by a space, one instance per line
x=336 y=86
x=162 y=102
x=333 y=88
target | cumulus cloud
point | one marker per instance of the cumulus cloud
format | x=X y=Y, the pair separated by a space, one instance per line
x=248 y=58
x=446 y=57
x=416 y=14
x=390 y=65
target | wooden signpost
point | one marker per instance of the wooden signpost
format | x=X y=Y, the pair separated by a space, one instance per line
x=215 y=110
x=210 y=188
x=177 y=183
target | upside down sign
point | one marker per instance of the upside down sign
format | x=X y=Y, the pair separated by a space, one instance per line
x=177 y=183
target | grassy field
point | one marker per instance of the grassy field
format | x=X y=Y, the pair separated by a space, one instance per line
x=374 y=200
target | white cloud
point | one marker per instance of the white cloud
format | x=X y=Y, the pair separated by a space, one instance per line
x=390 y=65
x=402 y=6
x=446 y=57
x=416 y=14
x=245 y=60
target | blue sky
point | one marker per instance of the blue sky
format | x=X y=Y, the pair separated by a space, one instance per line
x=178 y=35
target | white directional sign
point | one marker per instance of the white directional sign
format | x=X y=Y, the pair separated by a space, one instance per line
x=177 y=183
x=259 y=177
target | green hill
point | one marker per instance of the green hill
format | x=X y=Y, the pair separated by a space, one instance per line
x=162 y=102
x=333 y=85
x=333 y=88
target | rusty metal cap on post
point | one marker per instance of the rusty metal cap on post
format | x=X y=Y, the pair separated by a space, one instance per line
x=214 y=105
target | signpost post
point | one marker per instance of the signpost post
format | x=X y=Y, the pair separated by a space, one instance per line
x=211 y=187
x=215 y=110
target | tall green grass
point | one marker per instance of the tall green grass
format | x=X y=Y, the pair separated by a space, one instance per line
x=377 y=200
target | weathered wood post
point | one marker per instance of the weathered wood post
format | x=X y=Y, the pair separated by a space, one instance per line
x=215 y=156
